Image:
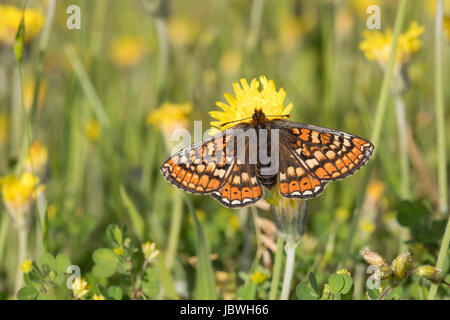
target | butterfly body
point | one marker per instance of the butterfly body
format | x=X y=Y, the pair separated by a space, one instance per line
x=233 y=165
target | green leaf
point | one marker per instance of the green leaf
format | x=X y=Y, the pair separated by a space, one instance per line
x=336 y=282
x=348 y=284
x=150 y=285
x=136 y=218
x=313 y=283
x=114 y=293
x=106 y=263
x=247 y=291
x=27 y=293
x=49 y=261
x=62 y=262
x=19 y=43
x=114 y=234
x=304 y=292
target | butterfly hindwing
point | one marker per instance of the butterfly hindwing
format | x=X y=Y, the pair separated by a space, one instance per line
x=294 y=180
x=326 y=154
x=242 y=187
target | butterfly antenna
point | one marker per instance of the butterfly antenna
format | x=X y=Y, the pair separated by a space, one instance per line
x=226 y=123
x=281 y=115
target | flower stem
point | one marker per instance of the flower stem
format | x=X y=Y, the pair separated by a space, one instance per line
x=402 y=145
x=276 y=269
x=289 y=248
x=440 y=125
x=22 y=251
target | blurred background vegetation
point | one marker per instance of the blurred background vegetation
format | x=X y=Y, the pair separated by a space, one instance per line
x=81 y=113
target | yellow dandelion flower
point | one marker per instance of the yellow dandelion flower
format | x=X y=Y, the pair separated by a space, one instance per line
x=169 y=117
x=247 y=99
x=18 y=194
x=377 y=45
x=10 y=21
x=258 y=277
x=36 y=159
x=447 y=27
x=127 y=51
x=98 y=297
x=27 y=266
x=231 y=61
x=92 y=130
x=80 y=288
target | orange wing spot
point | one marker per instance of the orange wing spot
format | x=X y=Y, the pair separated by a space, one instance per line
x=314 y=182
x=191 y=186
x=346 y=160
x=246 y=193
x=184 y=183
x=358 y=142
x=356 y=151
x=344 y=170
x=284 y=188
x=235 y=168
x=177 y=170
x=339 y=164
x=210 y=167
x=213 y=184
x=319 y=155
x=306 y=151
x=329 y=167
x=204 y=181
x=256 y=192
x=305 y=184
x=195 y=179
x=293 y=186
x=336 y=174
x=295 y=131
x=321 y=173
x=305 y=134
x=188 y=177
x=225 y=192
x=351 y=156
x=235 y=193
x=325 y=138
x=199 y=189
x=351 y=166
x=182 y=174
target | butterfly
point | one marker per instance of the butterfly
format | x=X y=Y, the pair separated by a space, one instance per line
x=303 y=160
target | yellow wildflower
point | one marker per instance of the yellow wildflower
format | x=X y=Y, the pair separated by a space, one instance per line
x=447 y=27
x=98 y=297
x=127 y=51
x=247 y=99
x=27 y=266
x=10 y=21
x=230 y=62
x=344 y=271
x=149 y=251
x=119 y=251
x=377 y=46
x=234 y=221
x=18 y=194
x=36 y=159
x=258 y=277
x=375 y=190
x=79 y=288
x=92 y=130
x=170 y=116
